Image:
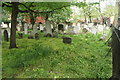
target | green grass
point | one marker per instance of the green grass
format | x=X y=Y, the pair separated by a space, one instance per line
x=50 y=57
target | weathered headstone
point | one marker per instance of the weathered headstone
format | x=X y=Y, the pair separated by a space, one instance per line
x=52 y=30
x=35 y=30
x=41 y=27
x=25 y=28
x=6 y=35
x=55 y=34
x=70 y=30
x=66 y=26
x=94 y=31
x=67 y=40
x=48 y=29
x=85 y=30
x=30 y=35
x=95 y=24
x=60 y=27
x=76 y=29
x=19 y=26
x=30 y=26
x=20 y=35
x=48 y=35
x=37 y=36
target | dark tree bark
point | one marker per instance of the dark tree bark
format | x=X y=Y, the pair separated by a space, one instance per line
x=116 y=48
x=116 y=54
x=32 y=19
x=13 y=24
x=22 y=27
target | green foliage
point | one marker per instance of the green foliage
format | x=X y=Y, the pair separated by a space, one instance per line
x=110 y=11
x=61 y=15
x=50 y=58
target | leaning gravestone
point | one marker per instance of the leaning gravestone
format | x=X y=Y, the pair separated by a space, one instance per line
x=20 y=35
x=37 y=36
x=6 y=35
x=67 y=40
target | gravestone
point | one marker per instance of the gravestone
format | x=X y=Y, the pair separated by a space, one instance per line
x=35 y=30
x=25 y=28
x=94 y=31
x=30 y=26
x=41 y=27
x=60 y=27
x=20 y=35
x=55 y=26
x=48 y=29
x=100 y=28
x=67 y=40
x=19 y=26
x=48 y=35
x=6 y=35
x=55 y=34
x=95 y=24
x=52 y=30
x=8 y=29
x=85 y=30
x=70 y=30
x=30 y=35
x=37 y=36
x=66 y=26
x=76 y=29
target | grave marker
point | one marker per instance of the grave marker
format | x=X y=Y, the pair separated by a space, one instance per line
x=67 y=40
x=37 y=36
x=30 y=35
x=25 y=28
x=6 y=35
x=60 y=27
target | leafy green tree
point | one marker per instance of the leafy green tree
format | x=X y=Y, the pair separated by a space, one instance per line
x=42 y=8
x=110 y=10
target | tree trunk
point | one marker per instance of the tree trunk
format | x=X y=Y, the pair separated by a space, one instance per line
x=116 y=49
x=85 y=12
x=90 y=18
x=13 y=25
x=116 y=54
x=32 y=19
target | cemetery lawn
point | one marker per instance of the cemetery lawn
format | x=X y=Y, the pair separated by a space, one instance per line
x=50 y=58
